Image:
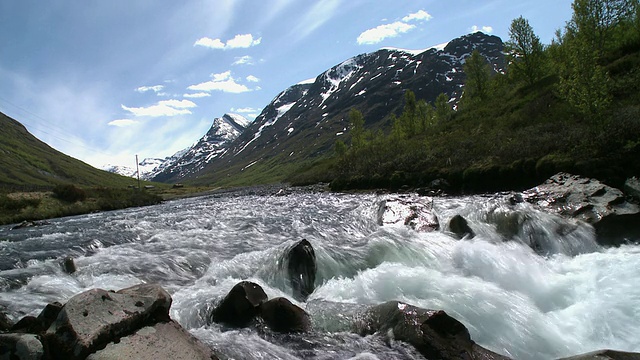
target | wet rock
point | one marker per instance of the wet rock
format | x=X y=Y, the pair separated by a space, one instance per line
x=5 y=322
x=21 y=347
x=605 y=355
x=283 y=316
x=241 y=305
x=632 y=188
x=160 y=341
x=614 y=218
x=68 y=265
x=434 y=334
x=301 y=269
x=26 y=224
x=460 y=227
x=92 y=319
x=414 y=212
x=28 y=324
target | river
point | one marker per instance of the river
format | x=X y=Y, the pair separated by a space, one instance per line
x=570 y=296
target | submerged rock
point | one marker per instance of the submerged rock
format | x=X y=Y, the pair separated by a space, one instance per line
x=614 y=218
x=283 y=316
x=460 y=227
x=241 y=305
x=434 y=334
x=414 y=212
x=605 y=355
x=301 y=269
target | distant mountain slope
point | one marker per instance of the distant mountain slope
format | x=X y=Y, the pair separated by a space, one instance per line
x=213 y=144
x=26 y=162
x=303 y=122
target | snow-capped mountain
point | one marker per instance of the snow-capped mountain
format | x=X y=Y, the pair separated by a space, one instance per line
x=149 y=167
x=212 y=145
x=304 y=121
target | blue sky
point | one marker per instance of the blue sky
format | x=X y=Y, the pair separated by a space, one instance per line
x=103 y=81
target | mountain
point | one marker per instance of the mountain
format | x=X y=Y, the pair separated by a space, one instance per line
x=28 y=163
x=212 y=145
x=303 y=122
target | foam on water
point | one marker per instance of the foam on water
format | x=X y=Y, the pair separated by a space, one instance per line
x=530 y=285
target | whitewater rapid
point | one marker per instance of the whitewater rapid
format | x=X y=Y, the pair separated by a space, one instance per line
x=568 y=296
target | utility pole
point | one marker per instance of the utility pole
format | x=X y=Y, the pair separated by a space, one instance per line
x=138 y=172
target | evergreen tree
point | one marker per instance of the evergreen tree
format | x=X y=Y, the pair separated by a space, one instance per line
x=526 y=52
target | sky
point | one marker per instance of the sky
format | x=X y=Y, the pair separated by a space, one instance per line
x=104 y=81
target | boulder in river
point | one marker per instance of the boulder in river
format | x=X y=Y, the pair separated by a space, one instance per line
x=433 y=333
x=283 y=316
x=5 y=322
x=460 y=227
x=412 y=211
x=21 y=347
x=241 y=305
x=301 y=269
x=68 y=265
x=605 y=355
x=632 y=188
x=589 y=200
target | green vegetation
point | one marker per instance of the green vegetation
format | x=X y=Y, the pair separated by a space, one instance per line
x=571 y=106
x=67 y=200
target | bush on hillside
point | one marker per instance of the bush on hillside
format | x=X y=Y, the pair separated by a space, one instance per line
x=69 y=193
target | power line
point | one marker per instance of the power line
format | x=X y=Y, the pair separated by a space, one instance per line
x=44 y=124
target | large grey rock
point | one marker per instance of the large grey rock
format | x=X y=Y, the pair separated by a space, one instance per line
x=412 y=211
x=301 y=269
x=160 y=341
x=92 y=319
x=241 y=305
x=605 y=355
x=20 y=347
x=283 y=316
x=615 y=220
x=434 y=334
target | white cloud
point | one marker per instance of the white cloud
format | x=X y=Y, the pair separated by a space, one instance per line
x=484 y=29
x=420 y=15
x=252 y=78
x=244 y=60
x=196 y=95
x=379 y=33
x=163 y=108
x=221 y=82
x=245 y=110
x=155 y=88
x=123 y=122
x=240 y=41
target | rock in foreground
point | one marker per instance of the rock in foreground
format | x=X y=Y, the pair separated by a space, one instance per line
x=434 y=334
x=605 y=355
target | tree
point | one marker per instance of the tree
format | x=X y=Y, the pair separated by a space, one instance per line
x=594 y=20
x=357 y=129
x=340 y=148
x=526 y=52
x=443 y=110
x=478 y=73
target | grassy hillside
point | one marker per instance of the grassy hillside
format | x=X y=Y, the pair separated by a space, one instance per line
x=28 y=163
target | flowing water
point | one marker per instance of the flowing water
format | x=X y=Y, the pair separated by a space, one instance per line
x=567 y=296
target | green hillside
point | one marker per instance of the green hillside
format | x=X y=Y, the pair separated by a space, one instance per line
x=27 y=163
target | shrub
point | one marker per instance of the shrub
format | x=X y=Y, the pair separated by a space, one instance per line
x=69 y=193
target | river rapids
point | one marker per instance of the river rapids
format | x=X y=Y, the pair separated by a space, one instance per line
x=566 y=297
